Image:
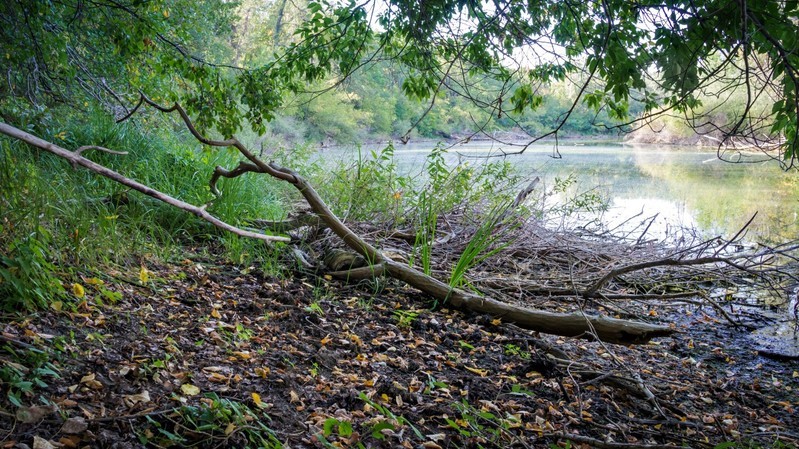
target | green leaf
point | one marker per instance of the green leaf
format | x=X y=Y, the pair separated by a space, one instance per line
x=380 y=426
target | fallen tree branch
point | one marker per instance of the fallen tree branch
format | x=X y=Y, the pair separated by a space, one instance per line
x=593 y=289
x=569 y=325
x=593 y=442
x=289 y=224
x=77 y=159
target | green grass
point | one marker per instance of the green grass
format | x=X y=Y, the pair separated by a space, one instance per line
x=76 y=219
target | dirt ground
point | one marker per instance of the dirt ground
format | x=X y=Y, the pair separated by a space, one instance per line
x=204 y=354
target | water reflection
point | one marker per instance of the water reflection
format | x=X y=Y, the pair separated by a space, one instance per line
x=684 y=187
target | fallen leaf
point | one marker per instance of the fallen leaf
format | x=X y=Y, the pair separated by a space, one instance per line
x=30 y=415
x=70 y=441
x=66 y=403
x=244 y=355
x=91 y=382
x=144 y=275
x=326 y=340
x=478 y=371
x=133 y=399
x=217 y=378
x=75 y=425
x=78 y=290
x=41 y=443
x=256 y=398
x=230 y=428
x=189 y=390
x=215 y=313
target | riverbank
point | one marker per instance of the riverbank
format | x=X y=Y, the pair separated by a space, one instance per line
x=201 y=352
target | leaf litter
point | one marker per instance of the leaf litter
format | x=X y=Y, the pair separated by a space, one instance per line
x=201 y=354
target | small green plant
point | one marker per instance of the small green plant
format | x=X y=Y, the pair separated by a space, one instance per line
x=336 y=427
x=513 y=350
x=486 y=241
x=27 y=279
x=405 y=317
x=433 y=384
x=478 y=422
x=214 y=422
x=426 y=231
x=369 y=188
x=519 y=390
x=390 y=421
x=465 y=345
x=314 y=307
x=22 y=376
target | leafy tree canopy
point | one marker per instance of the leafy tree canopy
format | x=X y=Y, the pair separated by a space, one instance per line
x=666 y=54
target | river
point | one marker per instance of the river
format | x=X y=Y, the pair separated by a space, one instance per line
x=681 y=187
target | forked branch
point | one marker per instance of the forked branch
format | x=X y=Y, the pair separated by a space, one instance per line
x=76 y=159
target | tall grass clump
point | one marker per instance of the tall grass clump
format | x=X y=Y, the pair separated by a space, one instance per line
x=93 y=220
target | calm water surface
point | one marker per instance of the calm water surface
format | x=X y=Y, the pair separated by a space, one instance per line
x=682 y=187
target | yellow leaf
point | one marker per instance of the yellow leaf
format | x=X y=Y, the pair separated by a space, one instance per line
x=244 y=355
x=478 y=371
x=326 y=340
x=189 y=390
x=57 y=306
x=217 y=378
x=496 y=322
x=230 y=428
x=166 y=14
x=95 y=281
x=795 y=374
x=144 y=275
x=215 y=314
x=262 y=372
x=78 y=290
x=111 y=217
x=256 y=398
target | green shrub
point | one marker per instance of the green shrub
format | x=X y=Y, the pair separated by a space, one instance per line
x=27 y=279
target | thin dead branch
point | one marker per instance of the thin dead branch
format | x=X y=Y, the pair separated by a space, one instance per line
x=77 y=159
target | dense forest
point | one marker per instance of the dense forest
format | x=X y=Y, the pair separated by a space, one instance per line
x=180 y=266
